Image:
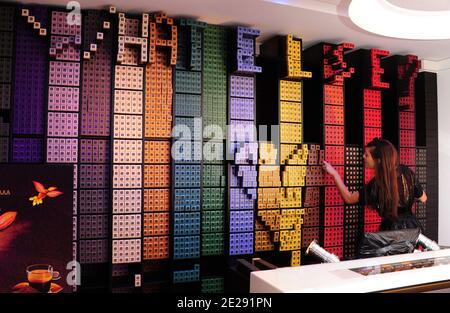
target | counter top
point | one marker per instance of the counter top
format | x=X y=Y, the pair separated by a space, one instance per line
x=339 y=277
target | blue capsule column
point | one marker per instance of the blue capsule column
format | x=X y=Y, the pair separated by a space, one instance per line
x=242 y=143
x=187 y=152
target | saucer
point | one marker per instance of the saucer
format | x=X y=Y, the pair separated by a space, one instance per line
x=25 y=288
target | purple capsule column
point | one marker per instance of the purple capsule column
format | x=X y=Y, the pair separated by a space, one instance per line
x=63 y=99
x=93 y=193
x=6 y=64
x=30 y=84
x=242 y=143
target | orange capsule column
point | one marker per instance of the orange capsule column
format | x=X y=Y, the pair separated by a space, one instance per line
x=157 y=132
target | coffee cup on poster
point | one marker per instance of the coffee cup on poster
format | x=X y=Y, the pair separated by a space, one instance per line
x=40 y=277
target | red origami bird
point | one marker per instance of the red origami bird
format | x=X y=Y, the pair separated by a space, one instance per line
x=50 y=192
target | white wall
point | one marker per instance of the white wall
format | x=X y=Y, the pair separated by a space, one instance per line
x=442 y=69
x=443 y=82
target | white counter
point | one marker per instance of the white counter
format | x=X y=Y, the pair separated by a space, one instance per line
x=337 y=277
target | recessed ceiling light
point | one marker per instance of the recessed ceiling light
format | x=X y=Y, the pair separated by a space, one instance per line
x=383 y=18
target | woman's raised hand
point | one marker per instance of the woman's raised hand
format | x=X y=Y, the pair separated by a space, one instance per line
x=327 y=167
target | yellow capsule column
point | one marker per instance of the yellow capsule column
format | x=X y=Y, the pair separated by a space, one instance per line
x=285 y=153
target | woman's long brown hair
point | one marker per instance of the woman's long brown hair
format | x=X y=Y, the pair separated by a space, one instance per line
x=386 y=163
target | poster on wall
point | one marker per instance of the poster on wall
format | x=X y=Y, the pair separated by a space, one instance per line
x=36 y=228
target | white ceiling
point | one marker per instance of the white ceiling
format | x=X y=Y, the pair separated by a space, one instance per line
x=435 y=5
x=312 y=20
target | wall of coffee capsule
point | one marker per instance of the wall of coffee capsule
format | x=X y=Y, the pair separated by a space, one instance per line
x=166 y=197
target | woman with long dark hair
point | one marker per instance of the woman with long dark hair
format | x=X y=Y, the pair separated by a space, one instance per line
x=391 y=192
